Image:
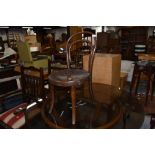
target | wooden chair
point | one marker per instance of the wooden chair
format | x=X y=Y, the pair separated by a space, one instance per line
x=33 y=94
x=25 y=56
x=147 y=70
x=32 y=86
x=73 y=77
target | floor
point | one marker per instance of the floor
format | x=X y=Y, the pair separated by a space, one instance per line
x=134 y=120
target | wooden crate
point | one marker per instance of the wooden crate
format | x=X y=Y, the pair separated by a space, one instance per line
x=106 y=68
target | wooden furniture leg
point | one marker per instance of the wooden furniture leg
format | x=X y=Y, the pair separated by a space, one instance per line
x=133 y=82
x=148 y=89
x=52 y=98
x=73 y=98
x=137 y=82
x=152 y=86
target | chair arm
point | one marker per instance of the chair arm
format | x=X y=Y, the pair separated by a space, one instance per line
x=20 y=110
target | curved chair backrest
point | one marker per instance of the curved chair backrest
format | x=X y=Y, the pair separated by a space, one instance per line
x=75 y=46
x=79 y=36
x=90 y=46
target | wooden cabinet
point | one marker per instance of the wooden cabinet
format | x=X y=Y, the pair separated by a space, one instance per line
x=136 y=35
x=75 y=29
x=102 y=42
x=151 y=45
x=131 y=36
x=108 y=42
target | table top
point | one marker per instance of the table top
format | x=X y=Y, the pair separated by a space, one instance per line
x=106 y=112
x=146 y=57
x=145 y=63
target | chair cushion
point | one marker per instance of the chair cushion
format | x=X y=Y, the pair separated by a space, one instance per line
x=14 y=120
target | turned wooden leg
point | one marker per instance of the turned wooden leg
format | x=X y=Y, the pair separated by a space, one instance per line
x=152 y=86
x=137 y=83
x=133 y=82
x=51 y=98
x=147 y=90
x=73 y=97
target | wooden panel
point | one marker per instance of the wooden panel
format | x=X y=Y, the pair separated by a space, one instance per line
x=102 y=41
x=75 y=29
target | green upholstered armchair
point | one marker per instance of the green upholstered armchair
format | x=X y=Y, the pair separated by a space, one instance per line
x=26 y=58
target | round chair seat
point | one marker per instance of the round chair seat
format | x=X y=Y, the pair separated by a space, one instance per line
x=68 y=77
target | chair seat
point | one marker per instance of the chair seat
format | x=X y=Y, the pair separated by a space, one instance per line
x=68 y=77
x=14 y=120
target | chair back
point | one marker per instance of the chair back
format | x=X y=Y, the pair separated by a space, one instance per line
x=78 y=45
x=79 y=36
x=24 y=52
x=32 y=81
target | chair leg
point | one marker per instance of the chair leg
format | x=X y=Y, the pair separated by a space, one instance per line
x=51 y=99
x=152 y=88
x=73 y=98
x=134 y=77
x=137 y=83
x=125 y=117
x=132 y=84
x=147 y=90
x=152 y=122
x=124 y=121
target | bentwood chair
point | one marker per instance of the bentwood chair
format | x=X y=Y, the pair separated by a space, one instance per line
x=33 y=94
x=73 y=77
x=76 y=56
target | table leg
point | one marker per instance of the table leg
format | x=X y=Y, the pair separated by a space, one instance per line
x=73 y=97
